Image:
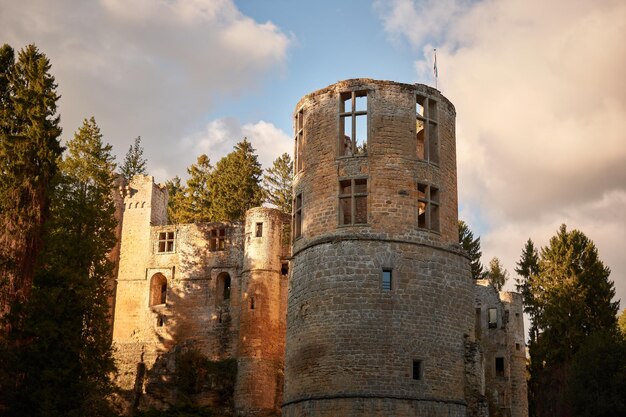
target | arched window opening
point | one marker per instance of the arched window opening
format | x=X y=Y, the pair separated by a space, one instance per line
x=158 y=289
x=223 y=287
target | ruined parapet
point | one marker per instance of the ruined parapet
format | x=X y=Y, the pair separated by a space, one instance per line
x=380 y=296
x=500 y=331
x=260 y=350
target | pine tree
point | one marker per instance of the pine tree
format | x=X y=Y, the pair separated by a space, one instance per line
x=235 y=184
x=196 y=204
x=497 y=275
x=29 y=150
x=621 y=323
x=528 y=268
x=277 y=182
x=472 y=247
x=134 y=162
x=67 y=362
x=176 y=199
x=573 y=295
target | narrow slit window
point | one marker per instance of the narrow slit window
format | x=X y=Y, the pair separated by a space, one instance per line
x=387 y=279
x=353 y=123
x=284 y=269
x=299 y=141
x=159 y=322
x=428 y=207
x=259 y=230
x=426 y=129
x=252 y=304
x=297 y=216
x=417 y=370
x=353 y=201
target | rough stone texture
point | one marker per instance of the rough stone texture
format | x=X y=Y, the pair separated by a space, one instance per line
x=507 y=392
x=195 y=315
x=324 y=338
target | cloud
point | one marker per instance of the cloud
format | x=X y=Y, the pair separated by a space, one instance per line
x=540 y=94
x=145 y=67
x=220 y=136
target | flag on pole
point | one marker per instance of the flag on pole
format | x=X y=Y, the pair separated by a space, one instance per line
x=435 y=71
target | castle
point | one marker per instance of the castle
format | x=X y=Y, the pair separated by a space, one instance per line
x=361 y=303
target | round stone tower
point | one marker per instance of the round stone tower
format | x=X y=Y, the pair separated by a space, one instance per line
x=261 y=329
x=380 y=298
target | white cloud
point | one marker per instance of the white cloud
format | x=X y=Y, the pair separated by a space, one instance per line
x=220 y=136
x=540 y=94
x=145 y=67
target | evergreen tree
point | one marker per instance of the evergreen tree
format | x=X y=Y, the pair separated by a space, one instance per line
x=29 y=149
x=621 y=323
x=196 y=205
x=573 y=295
x=176 y=199
x=277 y=182
x=472 y=247
x=65 y=367
x=528 y=268
x=497 y=274
x=134 y=162
x=235 y=184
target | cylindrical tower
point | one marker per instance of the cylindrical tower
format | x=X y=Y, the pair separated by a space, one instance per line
x=261 y=333
x=380 y=297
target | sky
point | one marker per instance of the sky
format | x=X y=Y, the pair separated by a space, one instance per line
x=539 y=89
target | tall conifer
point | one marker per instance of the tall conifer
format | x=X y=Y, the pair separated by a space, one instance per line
x=29 y=150
x=196 y=203
x=472 y=246
x=277 y=182
x=134 y=162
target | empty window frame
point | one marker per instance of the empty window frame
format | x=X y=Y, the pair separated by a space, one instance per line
x=217 y=239
x=297 y=216
x=427 y=207
x=387 y=278
x=493 y=318
x=259 y=230
x=353 y=123
x=158 y=289
x=353 y=201
x=417 y=370
x=223 y=287
x=427 y=129
x=499 y=366
x=252 y=303
x=299 y=141
x=166 y=242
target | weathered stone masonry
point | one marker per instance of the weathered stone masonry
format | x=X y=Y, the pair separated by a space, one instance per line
x=370 y=312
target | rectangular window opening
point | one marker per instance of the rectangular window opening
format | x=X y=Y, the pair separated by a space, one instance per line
x=217 y=239
x=353 y=201
x=259 y=230
x=165 y=242
x=427 y=207
x=297 y=216
x=299 y=141
x=493 y=318
x=353 y=123
x=417 y=370
x=499 y=366
x=387 y=280
x=427 y=133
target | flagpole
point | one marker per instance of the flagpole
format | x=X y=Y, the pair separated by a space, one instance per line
x=435 y=71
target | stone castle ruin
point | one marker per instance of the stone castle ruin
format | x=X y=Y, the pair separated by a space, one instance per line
x=359 y=303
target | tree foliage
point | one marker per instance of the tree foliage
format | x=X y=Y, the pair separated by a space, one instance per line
x=597 y=381
x=134 y=162
x=196 y=204
x=472 y=247
x=29 y=150
x=621 y=323
x=527 y=268
x=277 y=183
x=65 y=364
x=176 y=200
x=497 y=275
x=573 y=296
x=235 y=185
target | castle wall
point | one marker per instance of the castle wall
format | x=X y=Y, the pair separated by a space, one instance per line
x=349 y=340
x=502 y=340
